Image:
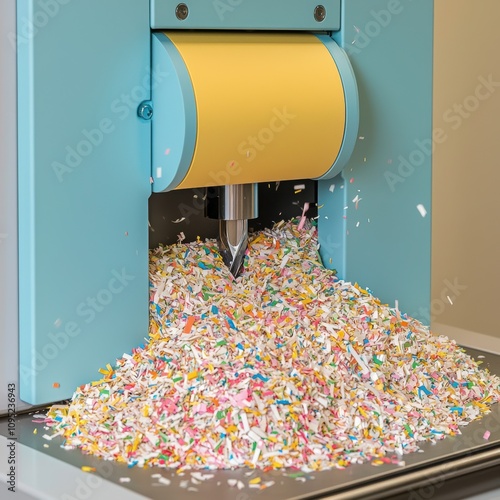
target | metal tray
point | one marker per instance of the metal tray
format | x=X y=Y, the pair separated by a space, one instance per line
x=454 y=468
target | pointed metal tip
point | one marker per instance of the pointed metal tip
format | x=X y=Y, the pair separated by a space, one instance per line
x=233 y=257
x=236 y=267
x=233 y=242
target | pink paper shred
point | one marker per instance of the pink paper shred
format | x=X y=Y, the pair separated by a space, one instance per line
x=285 y=367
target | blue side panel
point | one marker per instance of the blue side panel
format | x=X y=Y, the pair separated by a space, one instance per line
x=246 y=14
x=84 y=170
x=386 y=242
x=332 y=225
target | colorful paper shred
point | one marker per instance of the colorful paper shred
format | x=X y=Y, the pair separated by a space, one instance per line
x=285 y=367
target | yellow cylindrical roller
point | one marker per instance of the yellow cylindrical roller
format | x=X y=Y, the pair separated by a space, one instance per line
x=269 y=107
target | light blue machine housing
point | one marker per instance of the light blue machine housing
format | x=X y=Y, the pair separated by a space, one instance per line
x=84 y=165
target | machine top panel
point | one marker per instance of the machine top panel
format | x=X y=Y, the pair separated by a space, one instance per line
x=246 y=15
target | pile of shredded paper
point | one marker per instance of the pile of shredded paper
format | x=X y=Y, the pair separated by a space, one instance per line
x=286 y=366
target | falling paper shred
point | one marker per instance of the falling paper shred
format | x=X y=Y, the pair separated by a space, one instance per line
x=422 y=210
x=303 y=218
x=332 y=187
x=177 y=221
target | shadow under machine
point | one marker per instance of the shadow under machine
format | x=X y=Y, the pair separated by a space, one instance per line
x=137 y=111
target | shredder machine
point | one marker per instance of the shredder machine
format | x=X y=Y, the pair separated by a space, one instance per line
x=202 y=118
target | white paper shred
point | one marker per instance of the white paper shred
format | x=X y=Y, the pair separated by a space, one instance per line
x=422 y=210
x=285 y=366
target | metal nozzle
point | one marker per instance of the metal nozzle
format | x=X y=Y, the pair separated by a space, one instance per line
x=233 y=242
x=233 y=206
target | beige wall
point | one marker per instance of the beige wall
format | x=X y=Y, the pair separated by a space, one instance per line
x=466 y=172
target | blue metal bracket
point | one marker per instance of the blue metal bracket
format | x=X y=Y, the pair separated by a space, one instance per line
x=323 y=15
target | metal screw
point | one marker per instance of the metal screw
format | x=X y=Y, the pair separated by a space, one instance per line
x=181 y=11
x=319 y=13
x=145 y=110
